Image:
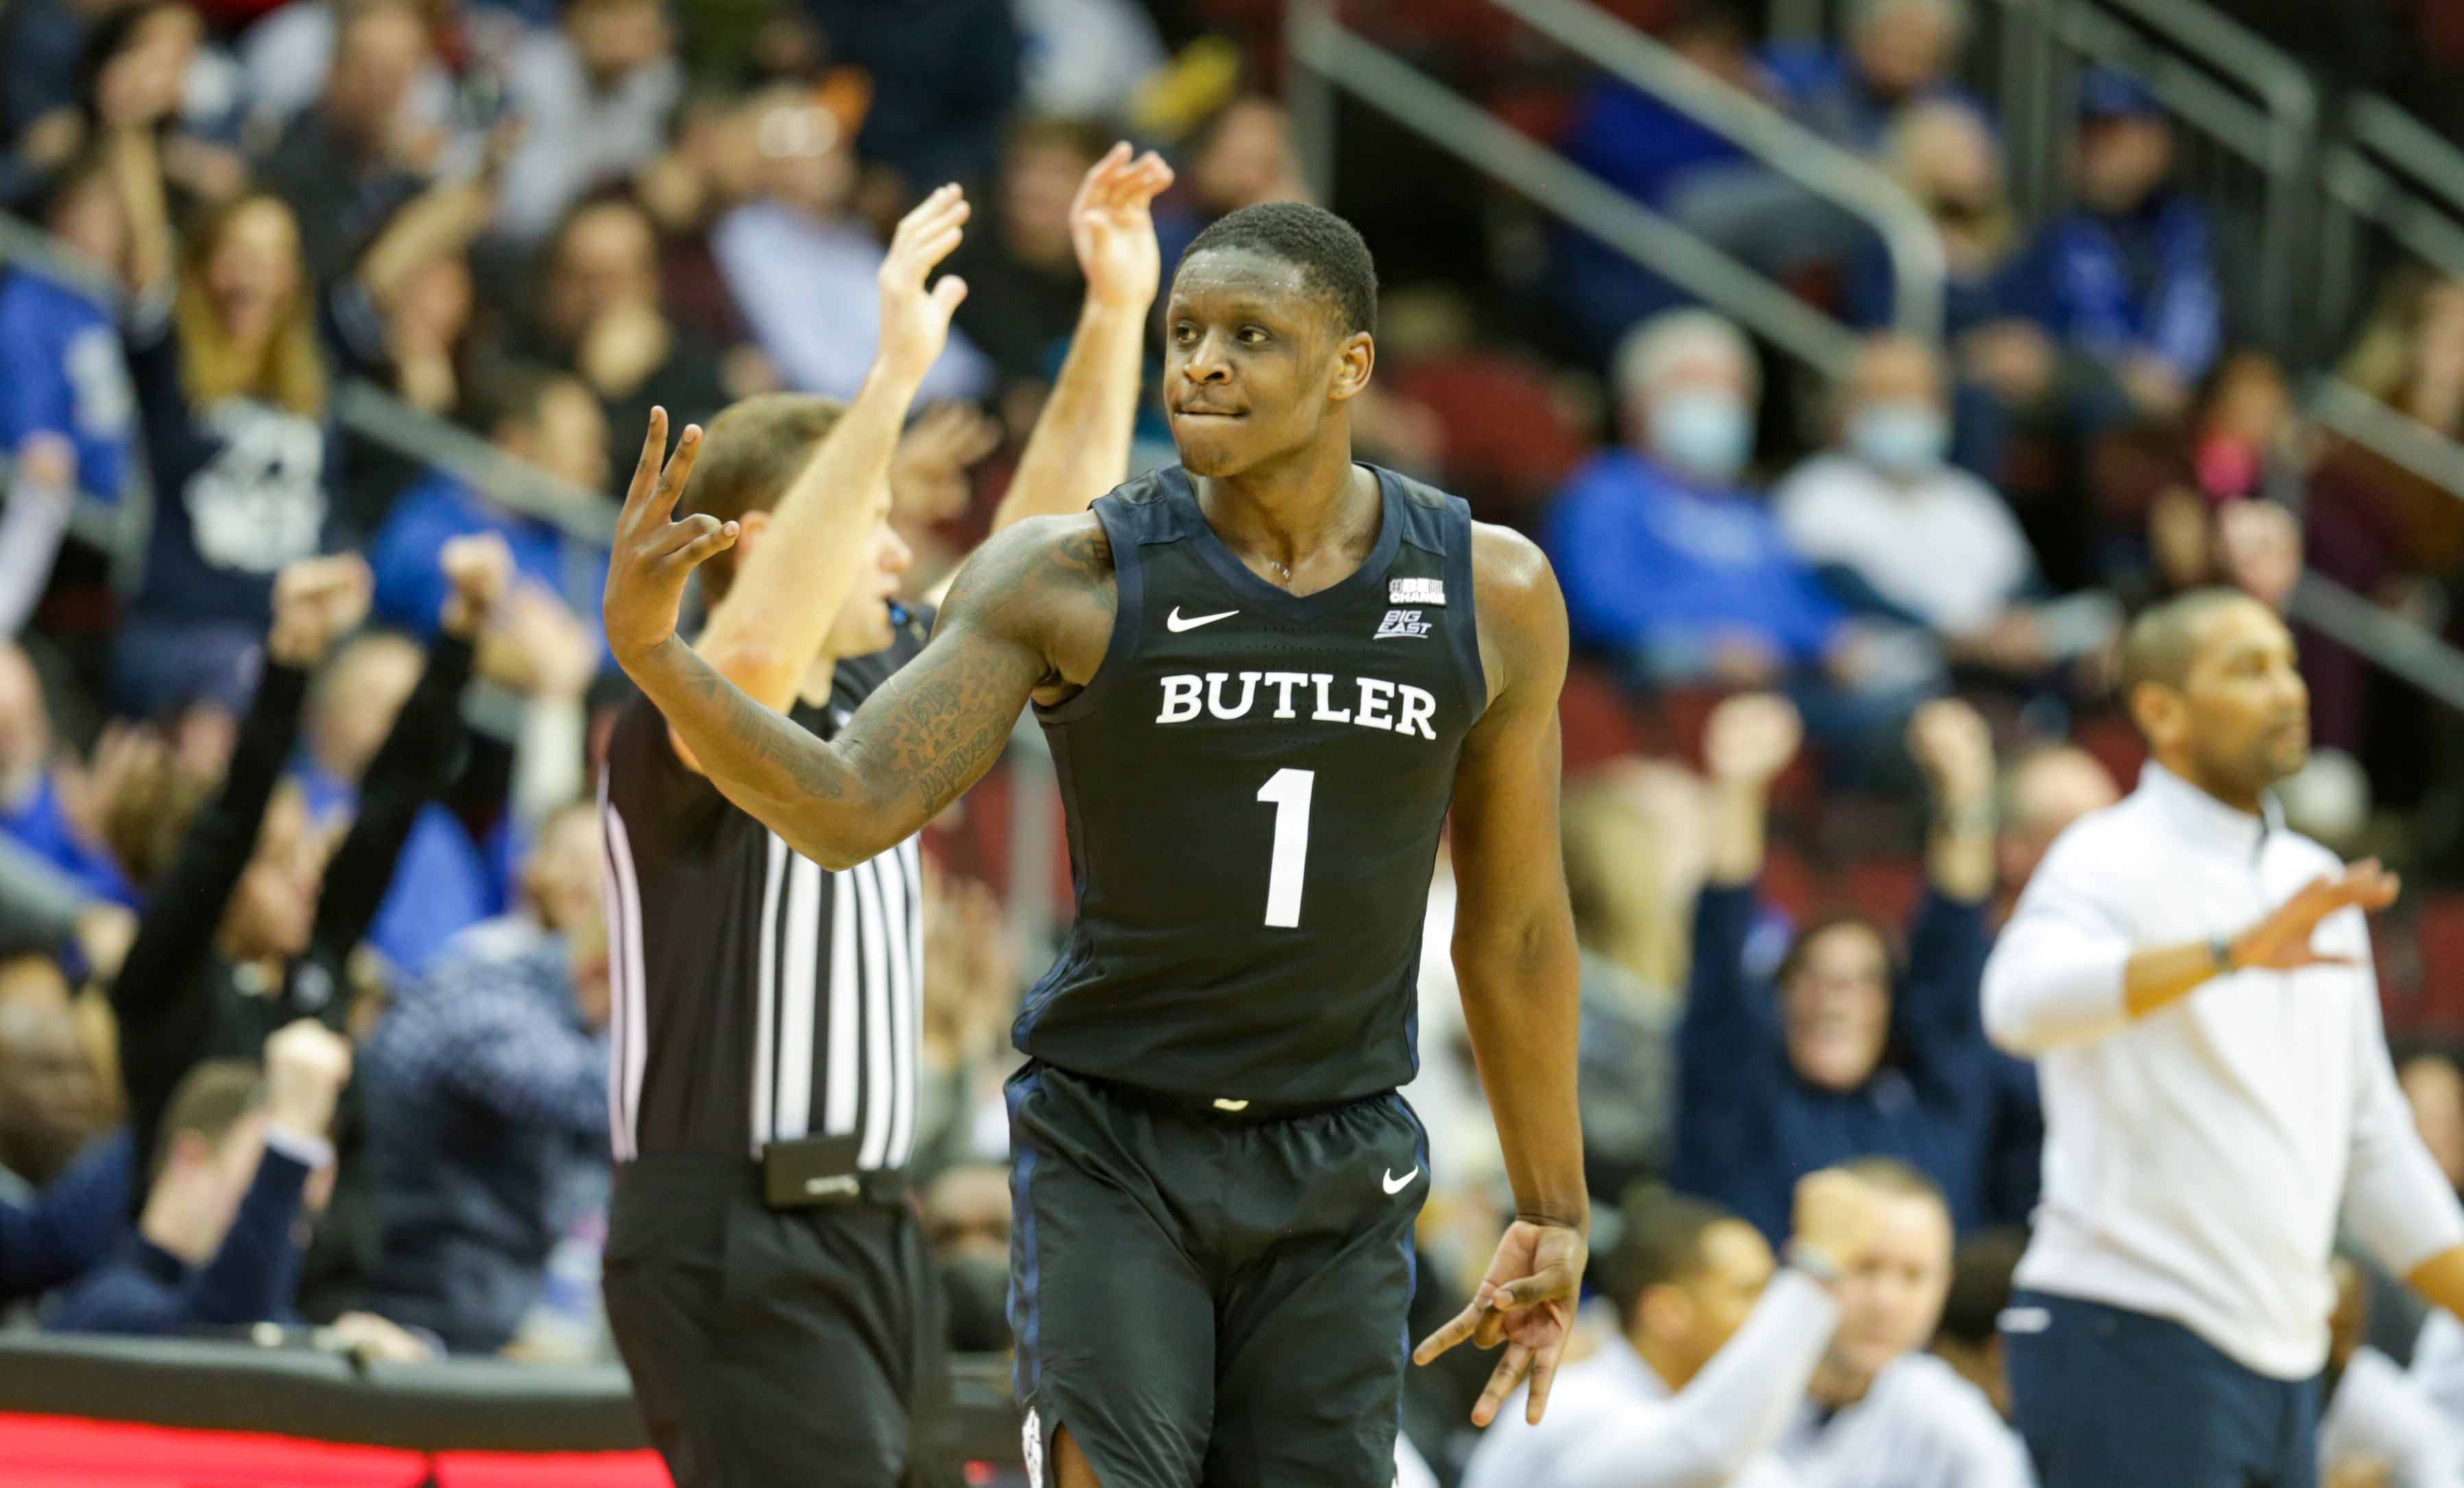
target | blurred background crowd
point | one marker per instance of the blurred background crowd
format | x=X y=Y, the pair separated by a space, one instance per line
x=327 y=328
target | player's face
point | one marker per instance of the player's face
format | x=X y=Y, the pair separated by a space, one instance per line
x=1837 y=1008
x=1256 y=363
x=2245 y=711
x=863 y=624
x=1890 y=1300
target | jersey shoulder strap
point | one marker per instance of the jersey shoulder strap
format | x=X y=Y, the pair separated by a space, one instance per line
x=1439 y=525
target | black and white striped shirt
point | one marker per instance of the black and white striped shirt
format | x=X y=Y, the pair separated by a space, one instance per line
x=758 y=996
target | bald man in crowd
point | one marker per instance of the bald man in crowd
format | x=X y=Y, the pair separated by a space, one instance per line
x=2194 y=982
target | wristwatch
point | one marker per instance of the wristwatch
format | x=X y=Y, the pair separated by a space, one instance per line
x=2220 y=953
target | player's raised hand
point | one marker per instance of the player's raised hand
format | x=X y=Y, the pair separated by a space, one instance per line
x=1113 y=228
x=1527 y=1302
x=1951 y=743
x=652 y=556
x=2281 y=941
x=914 y=319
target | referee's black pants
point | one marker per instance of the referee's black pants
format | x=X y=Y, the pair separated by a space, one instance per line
x=775 y=1347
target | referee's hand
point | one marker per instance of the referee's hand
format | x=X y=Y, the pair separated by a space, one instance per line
x=1527 y=1302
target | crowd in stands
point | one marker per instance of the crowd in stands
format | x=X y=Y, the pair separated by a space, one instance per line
x=304 y=1010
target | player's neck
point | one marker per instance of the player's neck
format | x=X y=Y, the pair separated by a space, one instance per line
x=1294 y=513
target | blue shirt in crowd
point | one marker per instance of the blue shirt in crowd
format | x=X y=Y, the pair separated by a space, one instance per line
x=2115 y=287
x=145 y=1290
x=66 y=376
x=1749 y=1127
x=1657 y=566
x=442 y=884
x=487 y=1095
x=70 y=1223
x=40 y=825
x=407 y=550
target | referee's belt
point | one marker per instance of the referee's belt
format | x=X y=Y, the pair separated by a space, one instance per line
x=811 y=1171
x=1224 y=1110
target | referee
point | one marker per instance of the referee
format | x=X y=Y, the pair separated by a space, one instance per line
x=2194 y=982
x=765 y=1278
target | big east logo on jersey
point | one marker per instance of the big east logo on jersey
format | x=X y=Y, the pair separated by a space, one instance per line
x=1370 y=702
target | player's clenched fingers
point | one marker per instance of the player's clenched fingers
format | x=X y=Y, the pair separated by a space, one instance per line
x=1548 y=1284
x=704 y=536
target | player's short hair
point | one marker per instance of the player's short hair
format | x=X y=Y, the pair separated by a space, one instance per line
x=209 y=1101
x=1980 y=1284
x=749 y=456
x=2163 y=644
x=1333 y=260
x=1660 y=1241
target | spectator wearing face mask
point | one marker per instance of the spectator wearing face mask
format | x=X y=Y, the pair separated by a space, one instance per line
x=1846 y=1054
x=487 y=1101
x=1926 y=555
x=1668 y=560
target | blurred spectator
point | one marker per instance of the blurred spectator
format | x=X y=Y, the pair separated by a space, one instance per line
x=217 y=1240
x=945 y=73
x=2127 y=279
x=349 y=163
x=1667 y=560
x=593 y=93
x=2434 y=1088
x=44 y=808
x=1242 y=155
x=544 y=419
x=2380 y=1428
x=1024 y=283
x=289 y=57
x=966 y=1225
x=1822 y=1383
x=809 y=263
x=601 y=318
x=1633 y=853
x=231 y=387
x=1901 y=54
x=1847 y=1054
x=1946 y=154
x=54 y=1101
x=40 y=42
x=1083 y=58
x=1926 y=555
x=66 y=409
x=487 y=1088
x=2044 y=792
x=1969 y=1338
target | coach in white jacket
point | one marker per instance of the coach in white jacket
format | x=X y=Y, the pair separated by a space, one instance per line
x=2194 y=982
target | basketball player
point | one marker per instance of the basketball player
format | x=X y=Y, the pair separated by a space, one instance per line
x=765 y=1278
x=1267 y=673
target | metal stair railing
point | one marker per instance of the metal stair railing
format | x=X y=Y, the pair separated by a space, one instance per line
x=2390 y=171
x=1326 y=57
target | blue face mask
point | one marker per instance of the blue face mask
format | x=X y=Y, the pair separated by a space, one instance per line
x=1899 y=438
x=1705 y=432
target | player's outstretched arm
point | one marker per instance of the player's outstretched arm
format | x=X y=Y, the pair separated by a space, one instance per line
x=915 y=744
x=1516 y=961
x=1080 y=448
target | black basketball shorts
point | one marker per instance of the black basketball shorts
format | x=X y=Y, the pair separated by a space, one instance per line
x=1202 y=1298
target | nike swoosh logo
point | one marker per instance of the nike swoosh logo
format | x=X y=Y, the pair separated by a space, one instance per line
x=1176 y=624
x=1395 y=1184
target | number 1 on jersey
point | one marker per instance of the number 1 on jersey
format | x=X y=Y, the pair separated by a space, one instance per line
x=1289 y=790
